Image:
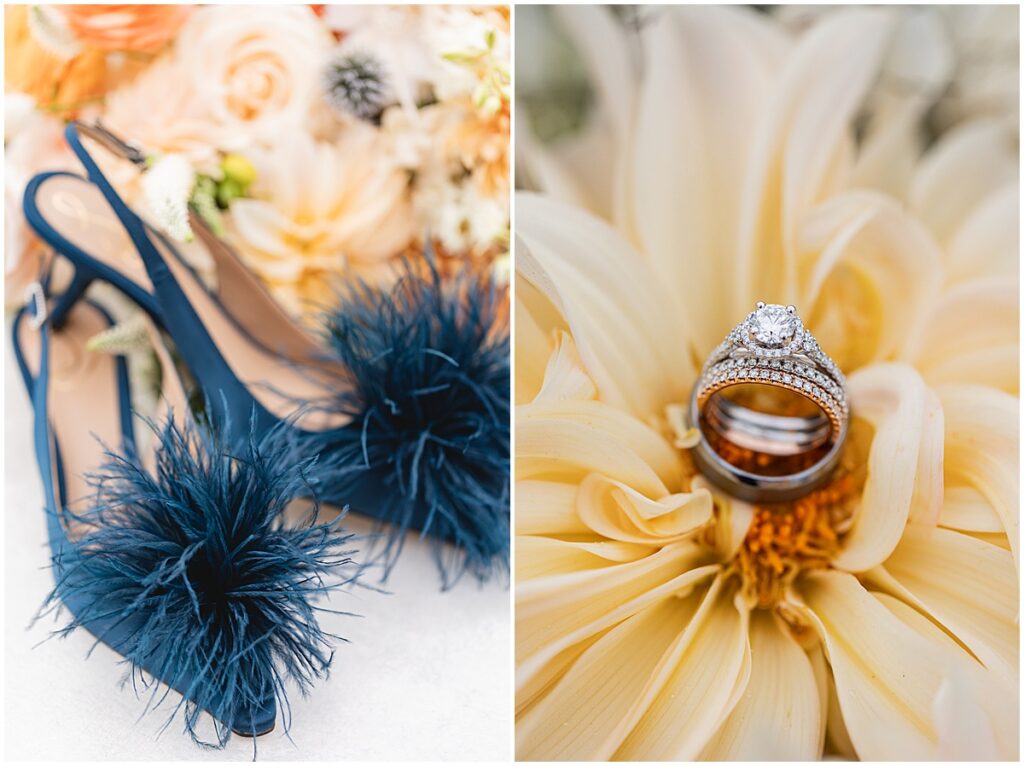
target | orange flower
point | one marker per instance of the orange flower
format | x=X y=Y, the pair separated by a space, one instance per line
x=143 y=28
x=56 y=83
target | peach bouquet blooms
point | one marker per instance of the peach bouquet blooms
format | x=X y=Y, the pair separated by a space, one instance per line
x=400 y=114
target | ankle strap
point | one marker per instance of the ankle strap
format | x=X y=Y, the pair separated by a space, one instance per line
x=110 y=141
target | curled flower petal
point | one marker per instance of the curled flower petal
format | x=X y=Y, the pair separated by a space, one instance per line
x=982 y=701
x=618 y=512
x=892 y=397
x=564 y=376
x=544 y=557
x=867 y=271
x=599 y=276
x=567 y=440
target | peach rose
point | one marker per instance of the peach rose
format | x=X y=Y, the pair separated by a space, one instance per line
x=255 y=70
x=60 y=83
x=141 y=28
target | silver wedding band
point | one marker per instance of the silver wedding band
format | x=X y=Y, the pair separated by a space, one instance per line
x=769 y=348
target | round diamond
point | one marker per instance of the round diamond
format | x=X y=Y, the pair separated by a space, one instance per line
x=774 y=326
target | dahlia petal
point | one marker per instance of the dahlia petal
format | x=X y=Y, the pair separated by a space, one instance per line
x=553 y=613
x=967 y=510
x=975 y=713
x=705 y=83
x=566 y=440
x=604 y=49
x=888 y=156
x=618 y=512
x=564 y=376
x=589 y=712
x=618 y=311
x=547 y=508
x=539 y=557
x=707 y=673
x=892 y=397
x=982 y=450
x=533 y=689
x=950 y=350
x=261 y=226
x=987 y=242
x=834 y=735
x=569 y=172
x=733 y=519
x=779 y=717
x=801 y=143
x=566 y=171
x=926 y=504
x=533 y=341
x=867 y=271
x=961 y=170
x=888 y=673
x=967 y=585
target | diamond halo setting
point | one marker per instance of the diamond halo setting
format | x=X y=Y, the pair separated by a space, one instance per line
x=772 y=330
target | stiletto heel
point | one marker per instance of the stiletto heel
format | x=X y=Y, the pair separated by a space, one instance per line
x=179 y=559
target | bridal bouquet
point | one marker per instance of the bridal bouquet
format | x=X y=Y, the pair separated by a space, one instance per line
x=322 y=142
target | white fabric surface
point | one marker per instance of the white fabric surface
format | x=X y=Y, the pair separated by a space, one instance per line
x=426 y=675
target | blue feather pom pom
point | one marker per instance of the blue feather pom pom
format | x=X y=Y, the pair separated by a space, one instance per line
x=194 y=566
x=427 y=447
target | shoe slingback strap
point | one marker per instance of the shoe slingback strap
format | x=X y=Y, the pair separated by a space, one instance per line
x=292 y=344
x=231 y=404
x=36 y=313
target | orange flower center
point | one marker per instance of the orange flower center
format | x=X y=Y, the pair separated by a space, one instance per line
x=787 y=538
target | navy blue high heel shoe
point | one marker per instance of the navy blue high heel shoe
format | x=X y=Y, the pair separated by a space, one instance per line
x=178 y=557
x=406 y=400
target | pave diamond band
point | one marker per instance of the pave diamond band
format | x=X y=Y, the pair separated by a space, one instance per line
x=771 y=348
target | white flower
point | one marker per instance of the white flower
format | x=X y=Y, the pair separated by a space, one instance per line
x=459 y=216
x=50 y=29
x=166 y=188
x=453 y=31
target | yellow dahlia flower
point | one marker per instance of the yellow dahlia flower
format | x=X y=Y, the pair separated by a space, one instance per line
x=658 y=618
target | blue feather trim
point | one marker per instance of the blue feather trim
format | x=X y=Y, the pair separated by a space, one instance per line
x=197 y=558
x=428 y=398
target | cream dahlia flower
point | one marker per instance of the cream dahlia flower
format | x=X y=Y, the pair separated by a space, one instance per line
x=658 y=618
x=321 y=211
